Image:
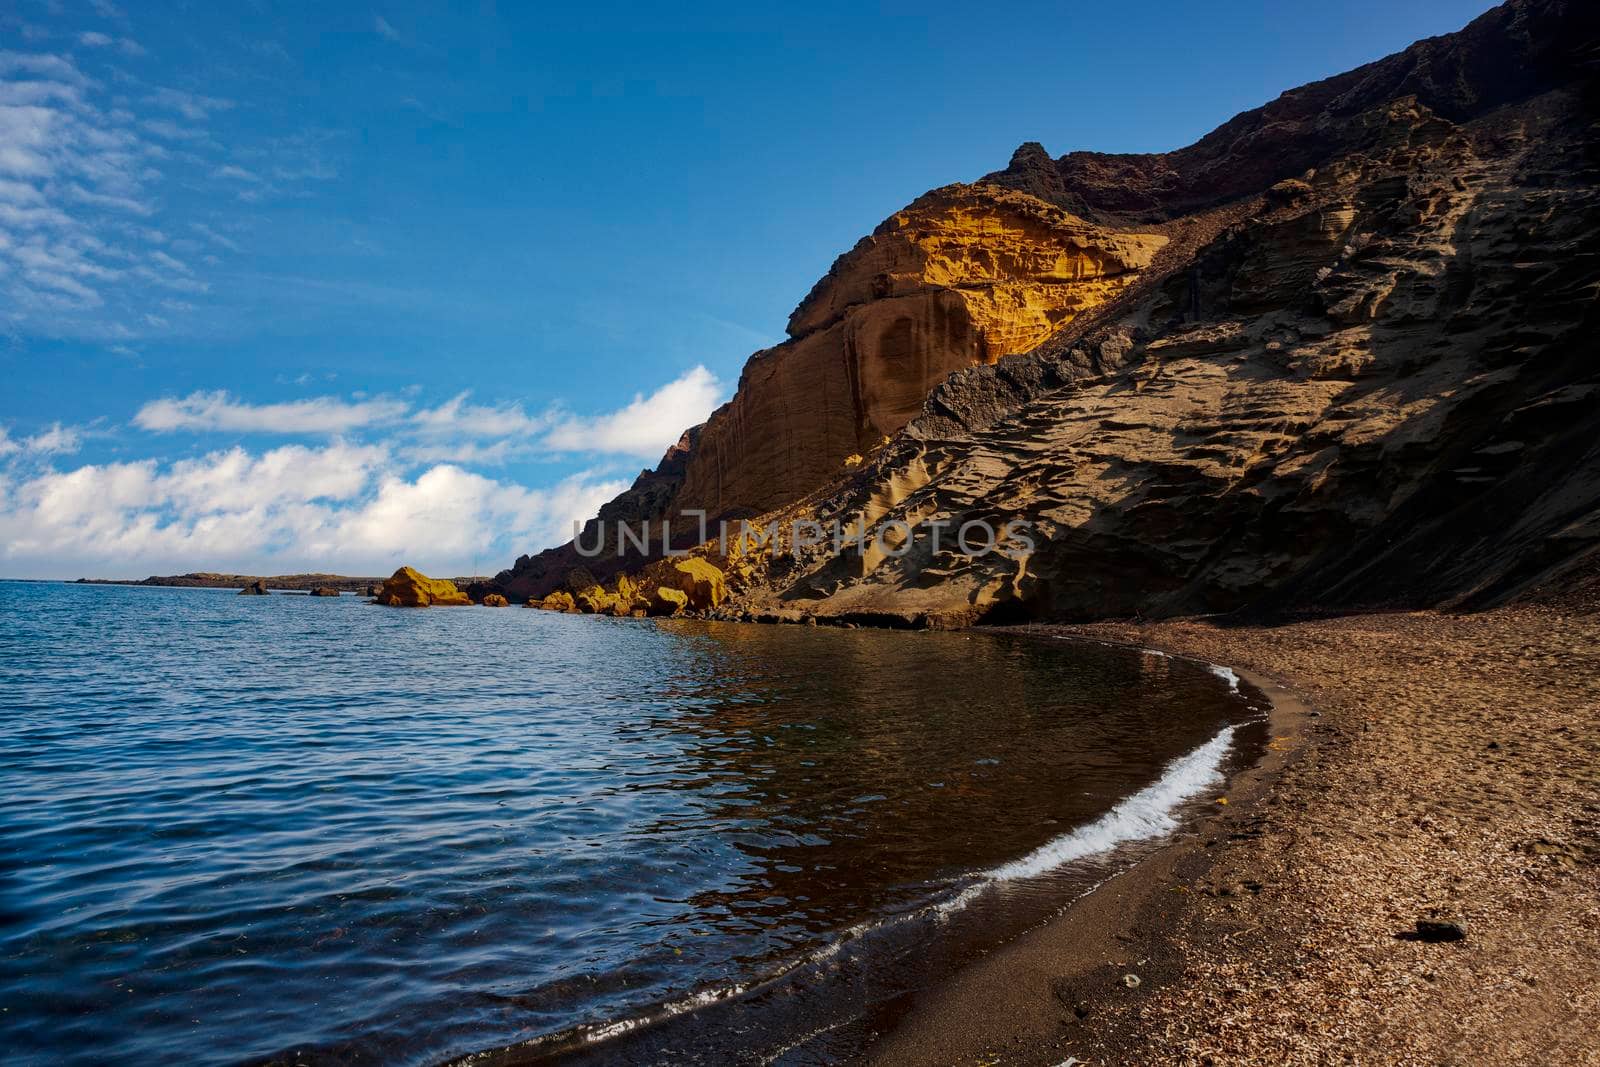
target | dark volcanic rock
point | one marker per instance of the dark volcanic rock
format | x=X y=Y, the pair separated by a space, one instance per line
x=255 y=588
x=1505 y=56
x=1357 y=374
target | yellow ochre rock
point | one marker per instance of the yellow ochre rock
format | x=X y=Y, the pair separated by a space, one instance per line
x=408 y=588
x=495 y=600
x=666 y=601
x=560 y=600
x=966 y=275
x=701 y=582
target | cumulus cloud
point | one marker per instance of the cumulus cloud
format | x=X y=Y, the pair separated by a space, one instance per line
x=457 y=418
x=345 y=507
x=649 y=425
x=457 y=430
x=218 y=411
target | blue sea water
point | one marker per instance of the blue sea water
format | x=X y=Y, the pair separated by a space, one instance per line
x=292 y=829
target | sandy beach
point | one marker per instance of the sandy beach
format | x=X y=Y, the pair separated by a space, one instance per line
x=1424 y=766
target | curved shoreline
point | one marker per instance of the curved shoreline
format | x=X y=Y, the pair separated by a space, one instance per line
x=1447 y=773
x=1146 y=819
x=1012 y=1002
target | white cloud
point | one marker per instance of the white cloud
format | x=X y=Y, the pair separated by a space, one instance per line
x=57 y=440
x=94 y=39
x=217 y=411
x=381 y=27
x=648 y=426
x=195 y=107
x=454 y=431
x=458 y=418
x=237 y=173
x=212 y=235
x=342 y=507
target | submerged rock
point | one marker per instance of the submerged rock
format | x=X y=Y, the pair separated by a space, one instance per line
x=408 y=588
x=323 y=590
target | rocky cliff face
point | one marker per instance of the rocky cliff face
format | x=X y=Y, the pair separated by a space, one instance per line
x=962 y=277
x=1336 y=354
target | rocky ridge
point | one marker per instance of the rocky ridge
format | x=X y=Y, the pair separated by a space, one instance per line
x=1344 y=363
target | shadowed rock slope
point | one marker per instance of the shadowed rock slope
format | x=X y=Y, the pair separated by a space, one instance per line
x=1348 y=364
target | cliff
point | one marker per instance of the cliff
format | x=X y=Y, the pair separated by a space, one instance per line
x=1335 y=354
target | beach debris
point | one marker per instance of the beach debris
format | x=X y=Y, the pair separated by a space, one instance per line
x=1436 y=928
x=1132 y=981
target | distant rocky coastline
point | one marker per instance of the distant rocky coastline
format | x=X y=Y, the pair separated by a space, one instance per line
x=299 y=583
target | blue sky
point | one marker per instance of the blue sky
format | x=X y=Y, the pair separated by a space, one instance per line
x=337 y=286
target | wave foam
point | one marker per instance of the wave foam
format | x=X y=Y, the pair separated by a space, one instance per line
x=1149 y=813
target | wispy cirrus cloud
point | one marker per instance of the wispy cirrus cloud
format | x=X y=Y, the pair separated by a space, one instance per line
x=100 y=173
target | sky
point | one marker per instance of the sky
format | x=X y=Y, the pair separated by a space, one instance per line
x=336 y=287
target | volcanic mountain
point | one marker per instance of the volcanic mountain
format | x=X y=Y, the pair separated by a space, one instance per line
x=1338 y=353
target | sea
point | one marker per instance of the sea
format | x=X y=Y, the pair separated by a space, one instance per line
x=291 y=829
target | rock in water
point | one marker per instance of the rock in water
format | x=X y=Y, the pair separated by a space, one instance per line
x=255 y=588
x=495 y=600
x=666 y=601
x=408 y=588
x=324 y=590
x=560 y=600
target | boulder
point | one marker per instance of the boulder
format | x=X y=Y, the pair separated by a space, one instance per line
x=255 y=588
x=665 y=601
x=324 y=590
x=374 y=590
x=579 y=580
x=702 y=582
x=411 y=589
x=594 y=600
x=495 y=600
x=560 y=600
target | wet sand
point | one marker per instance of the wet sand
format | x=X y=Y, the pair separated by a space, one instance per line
x=1423 y=766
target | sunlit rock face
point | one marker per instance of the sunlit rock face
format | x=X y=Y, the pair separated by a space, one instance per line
x=964 y=276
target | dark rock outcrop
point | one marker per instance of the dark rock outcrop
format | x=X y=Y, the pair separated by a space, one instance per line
x=324 y=590
x=1356 y=374
x=258 y=587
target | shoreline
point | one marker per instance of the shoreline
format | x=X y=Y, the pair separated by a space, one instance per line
x=1276 y=928
x=1008 y=1003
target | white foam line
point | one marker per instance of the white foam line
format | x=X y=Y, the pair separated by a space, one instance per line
x=1226 y=674
x=1149 y=813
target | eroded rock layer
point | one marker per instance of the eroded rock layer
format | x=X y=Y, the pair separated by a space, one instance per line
x=1336 y=354
x=1378 y=390
x=963 y=276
